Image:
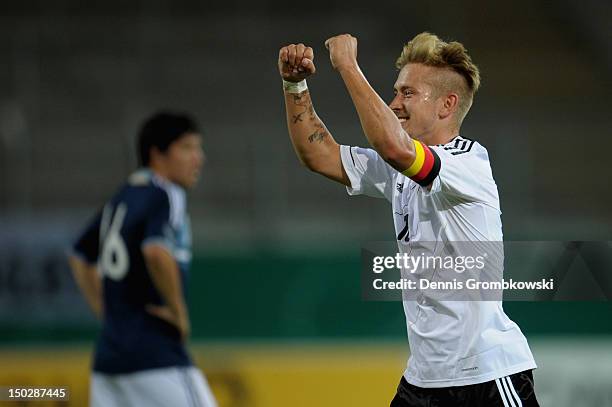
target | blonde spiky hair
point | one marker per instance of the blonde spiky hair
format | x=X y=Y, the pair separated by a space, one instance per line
x=428 y=49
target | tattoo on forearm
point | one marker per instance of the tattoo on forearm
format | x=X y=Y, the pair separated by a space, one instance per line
x=303 y=100
x=298 y=97
x=317 y=136
x=311 y=112
x=298 y=117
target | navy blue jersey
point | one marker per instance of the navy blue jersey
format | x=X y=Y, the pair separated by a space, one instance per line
x=146 y=210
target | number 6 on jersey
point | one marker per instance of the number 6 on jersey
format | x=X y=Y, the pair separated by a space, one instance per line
x=114 y=259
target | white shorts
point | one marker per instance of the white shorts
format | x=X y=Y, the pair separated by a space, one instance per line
x=173 y=386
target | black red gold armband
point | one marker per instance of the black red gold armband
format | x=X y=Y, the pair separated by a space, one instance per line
x=426 y=165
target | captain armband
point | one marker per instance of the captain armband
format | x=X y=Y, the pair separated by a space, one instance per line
x=425 y=167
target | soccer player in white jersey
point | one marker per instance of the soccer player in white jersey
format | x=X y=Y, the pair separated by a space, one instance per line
x=440 y=186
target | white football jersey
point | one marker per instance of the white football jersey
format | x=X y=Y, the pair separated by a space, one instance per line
x=452 y=343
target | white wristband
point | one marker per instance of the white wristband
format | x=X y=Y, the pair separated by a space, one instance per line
x=295 y=87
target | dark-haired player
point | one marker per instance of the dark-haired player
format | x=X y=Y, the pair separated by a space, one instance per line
x=131 y=265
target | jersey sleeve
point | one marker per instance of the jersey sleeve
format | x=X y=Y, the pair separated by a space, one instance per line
x=368 y=173
x=157 y=228
x=465 y=176
x=87 y=246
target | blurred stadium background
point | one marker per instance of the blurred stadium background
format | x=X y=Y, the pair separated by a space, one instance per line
x=275 y=298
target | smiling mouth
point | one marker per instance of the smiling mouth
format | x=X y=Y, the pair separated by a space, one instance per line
x=403 y=119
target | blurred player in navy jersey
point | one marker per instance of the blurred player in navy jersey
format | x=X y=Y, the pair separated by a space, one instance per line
x=131 y=264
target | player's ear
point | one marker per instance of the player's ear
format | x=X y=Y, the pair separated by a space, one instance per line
x=155 y=154
x=449 y=105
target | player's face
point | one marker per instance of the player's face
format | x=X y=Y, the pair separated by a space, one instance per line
x=415 y=102
x=184 y=159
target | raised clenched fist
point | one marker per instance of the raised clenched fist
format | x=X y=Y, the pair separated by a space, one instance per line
x=342 y=51
x=296 y=62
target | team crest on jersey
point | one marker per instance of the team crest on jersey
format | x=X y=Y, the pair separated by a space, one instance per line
x=458 y=145
x=400 y=187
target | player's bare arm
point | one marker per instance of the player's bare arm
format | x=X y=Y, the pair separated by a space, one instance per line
x=166 y=277
x=88 y=280
x=380 y=124
x=312 y=141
